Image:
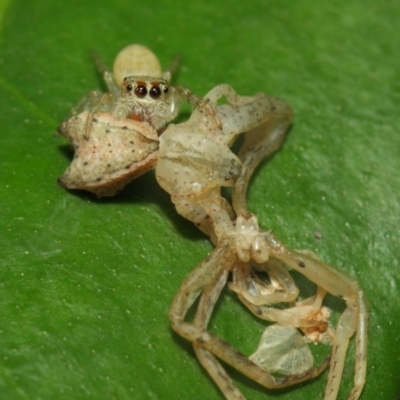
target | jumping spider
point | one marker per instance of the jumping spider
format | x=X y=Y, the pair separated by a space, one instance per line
x=138 y=104
x=139 y=90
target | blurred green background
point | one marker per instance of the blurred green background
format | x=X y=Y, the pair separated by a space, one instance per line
x=85 y=285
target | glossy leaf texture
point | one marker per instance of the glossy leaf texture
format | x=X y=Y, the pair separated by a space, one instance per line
x=86 y=284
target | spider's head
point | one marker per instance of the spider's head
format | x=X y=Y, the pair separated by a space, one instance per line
x=144 y=88
x=146 y=98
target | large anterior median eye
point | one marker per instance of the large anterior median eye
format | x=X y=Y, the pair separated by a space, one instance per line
x=141 y=91
x=155 y=92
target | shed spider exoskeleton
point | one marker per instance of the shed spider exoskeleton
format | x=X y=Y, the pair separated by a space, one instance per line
x=193 y=161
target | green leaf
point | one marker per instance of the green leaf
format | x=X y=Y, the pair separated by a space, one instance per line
x=86 y=285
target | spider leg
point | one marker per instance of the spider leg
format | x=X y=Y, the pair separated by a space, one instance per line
x=354 y=318
x=198 y=103
x=207 y=280
x=209 y=362
x=259 y=143
x=301 y=315
x=252 y=291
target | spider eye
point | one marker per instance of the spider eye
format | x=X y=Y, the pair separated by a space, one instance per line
x=141 y=91
x=129 y=88
x=166 y=90
x=155 y=92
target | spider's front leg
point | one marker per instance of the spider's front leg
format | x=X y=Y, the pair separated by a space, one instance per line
x=199 y=103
